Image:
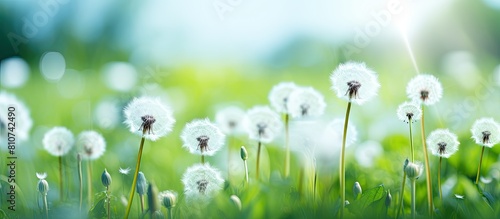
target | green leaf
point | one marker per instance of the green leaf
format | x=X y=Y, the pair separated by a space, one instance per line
x=367 y=198
x=98 y=210
x=3 y=215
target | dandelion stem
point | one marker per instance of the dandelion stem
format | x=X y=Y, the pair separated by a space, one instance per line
x=230 y=140
x=170 y=215
x=258 y=160
x=412 y=150
x=134 y=182
x=413 y=183
x=427 y=166
x=202 y=159
x=46 y=206
x=439 y=179
x=479 y=168
x=141 y=200
x=89 y=182
x=287 y=145
x=80 y=180
x=402 y=194
x=314 y=184
x=342 y=161
x=246 y=171
x=301 y=181
x=61 y=179
x=109 y=200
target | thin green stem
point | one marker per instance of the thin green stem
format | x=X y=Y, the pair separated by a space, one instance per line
x=230 y=140
x=479 y=168
x=246 y=171
x=413 y=185
x=46 y=206
x=427 y=166
x=170 y=214
x=202 y=159
x=412 y=150
x=109 y=200
x=134 y=182
x=258 y=160
x=287 y=146
x=314 y=184
x=401 y=194
x=141 y=200
x=89 y=182
x=61 y=192
x=80 y=179
x=342 y=161
x=439 y=179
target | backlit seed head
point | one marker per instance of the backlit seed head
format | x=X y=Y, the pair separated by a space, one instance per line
x=24 y=122
x=305 y=102
x=354 y=82
x=202 y=137
x=442 y=143
x=58 y=141
x=201 y=183
x=149 y=117
x=424 y=89
x=279 y=94
x=263 y=124
x=409 y=111
x=91 y=145
x=486 y=132
x=231 y=120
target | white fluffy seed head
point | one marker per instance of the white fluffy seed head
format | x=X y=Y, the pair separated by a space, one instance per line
x=21 y=114
x=354 y=82
x=201 y=183
x=278 y=96
x=230 y=120
x=202 y=137
x=58 y=141
x=263 y=124
x=409 y=110
x=424 y=89
x=91 y=145
x=486 y=132
x=149 y=115
x=305 y=102
x=442 y=143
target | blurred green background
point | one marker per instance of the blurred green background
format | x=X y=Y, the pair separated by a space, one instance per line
x=201 y=56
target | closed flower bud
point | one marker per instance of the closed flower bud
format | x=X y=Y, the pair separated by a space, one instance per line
x=356 y=190
x=236 y=201
x=168 y=198
x=388 y=198
x=152 y=198
x=413 y=170
x=43 y=185
x=106 y=178
x=243 y=153
x=142 y=185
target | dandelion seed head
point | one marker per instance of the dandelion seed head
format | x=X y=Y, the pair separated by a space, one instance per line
x=230 y=120
x=486 y=132
x=442 y=143
x=41 y=175
x=149 y=116
x=306 y=102
x=58 y=141
x=24 y=122
x=263 y=124
x=107 y=114
x=201 y=183
x=91 y=144
x=202 y=137
x=424 y=89
x=125 y=171
x=354 y=82
x=409 y=110
x=168 y=198
x=14 y=72
x=278 y=96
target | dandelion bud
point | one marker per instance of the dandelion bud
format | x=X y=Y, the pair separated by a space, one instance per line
x=405 y=164
x=356 y=190
x=236 y=201
x=413 y=170
x=43 y=185
x=346 y=203
x=142 y=185
x=243 y=153
x=106 y=178
x=168 y=198
x=388 y=198
x=152 y=198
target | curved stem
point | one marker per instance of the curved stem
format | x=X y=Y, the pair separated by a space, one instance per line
x=246 y=171
x=258 y=160
x=342 y=162
x=109 y=200
x=287 y=145
x=89 y=182
x=413 y=182
x=479 y=168
x=401 y=194
x=170 y=215
x=61 y=192
x=314 y=184
x=427 y=166
x=134 y=182
x=80 y=179
x=439 y=179
x=46 y=206
x=141 y=200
